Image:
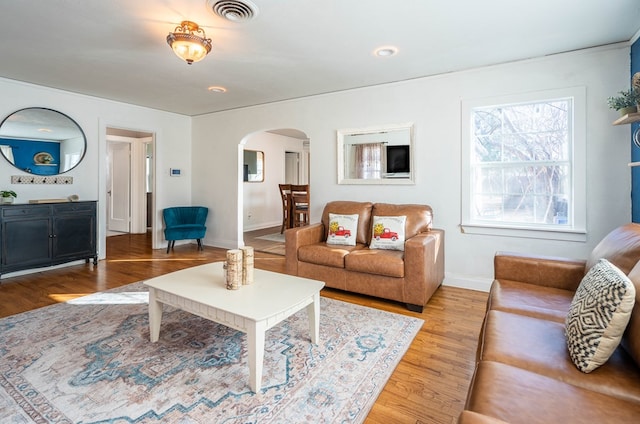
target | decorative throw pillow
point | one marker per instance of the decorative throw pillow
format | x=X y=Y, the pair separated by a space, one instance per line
x=342 y=229
x=598 y=315
x=388 y=232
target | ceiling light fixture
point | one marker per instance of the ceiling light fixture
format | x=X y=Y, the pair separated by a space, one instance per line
x=386 y=51
x=187 y=43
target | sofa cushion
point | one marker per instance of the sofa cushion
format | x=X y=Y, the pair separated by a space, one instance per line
x=631 y=337
x=389 y=263
x=324 y=254
x=518 y=396
x=185 y=231
x=530 y=299
x=419 y=217
x=539 y=346
x=344 y=207
x=547 y=271
x=343 y=229
x=388 y=232
x=621 y=247
x=598 y=316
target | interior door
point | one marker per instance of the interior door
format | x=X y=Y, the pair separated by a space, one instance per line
x=118 y=187
x=291 y=168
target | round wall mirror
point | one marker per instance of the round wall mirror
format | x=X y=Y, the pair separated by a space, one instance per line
x=42 y=141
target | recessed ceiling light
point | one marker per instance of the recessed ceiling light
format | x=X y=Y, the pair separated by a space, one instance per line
x=217 y=89
x=45 y=130
x=386 y=51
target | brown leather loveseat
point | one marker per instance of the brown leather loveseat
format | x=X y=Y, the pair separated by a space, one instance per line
x=524 y=372
x=410 y=276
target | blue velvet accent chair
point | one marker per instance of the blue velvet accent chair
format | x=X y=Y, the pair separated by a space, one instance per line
x=184 y=223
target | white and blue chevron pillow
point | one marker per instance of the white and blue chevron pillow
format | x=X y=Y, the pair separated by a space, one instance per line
x=598 y=315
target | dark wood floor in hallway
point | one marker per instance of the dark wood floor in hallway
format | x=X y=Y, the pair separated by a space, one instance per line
x=428 y=386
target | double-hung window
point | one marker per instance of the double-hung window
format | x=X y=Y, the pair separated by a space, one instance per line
x=523 y=165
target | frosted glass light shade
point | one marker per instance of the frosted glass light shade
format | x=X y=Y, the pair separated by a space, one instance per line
x=187 y=44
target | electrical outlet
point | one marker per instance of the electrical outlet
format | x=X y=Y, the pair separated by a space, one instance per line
x=249 y=215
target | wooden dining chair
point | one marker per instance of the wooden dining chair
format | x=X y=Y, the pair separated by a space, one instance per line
x=300 y=204
x=285 y=195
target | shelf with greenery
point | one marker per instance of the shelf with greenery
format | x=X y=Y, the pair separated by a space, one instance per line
x=626 y=102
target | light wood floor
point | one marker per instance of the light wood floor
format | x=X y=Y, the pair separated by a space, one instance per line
x=428 y=386
x=261 y=245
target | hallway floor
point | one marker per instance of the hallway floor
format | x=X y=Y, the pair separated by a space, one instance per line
x=261 y=245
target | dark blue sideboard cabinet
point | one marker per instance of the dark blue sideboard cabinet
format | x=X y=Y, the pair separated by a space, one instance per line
x=40 y=235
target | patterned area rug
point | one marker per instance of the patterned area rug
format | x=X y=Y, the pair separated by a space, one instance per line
x=90 y=361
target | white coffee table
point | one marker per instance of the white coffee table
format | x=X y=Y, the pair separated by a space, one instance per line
x=252 y=309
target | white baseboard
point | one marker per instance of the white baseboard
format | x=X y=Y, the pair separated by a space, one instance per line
x=223 y=244
x=261 y=225
x=466 y=282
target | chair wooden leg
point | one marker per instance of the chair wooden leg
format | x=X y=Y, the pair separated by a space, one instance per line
x=285 y=223
x=200 y=245
x=168 y=245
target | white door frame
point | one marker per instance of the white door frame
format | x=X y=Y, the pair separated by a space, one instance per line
x=106 y=126
x=137 y=181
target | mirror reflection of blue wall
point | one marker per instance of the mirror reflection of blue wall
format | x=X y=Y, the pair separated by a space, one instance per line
x=25 y=151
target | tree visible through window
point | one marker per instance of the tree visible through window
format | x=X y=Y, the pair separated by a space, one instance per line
x=521 y=163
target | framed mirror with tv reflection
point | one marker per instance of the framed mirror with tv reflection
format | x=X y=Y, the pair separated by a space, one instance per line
x=42 y=141
x=253 y=171
x=376 y=155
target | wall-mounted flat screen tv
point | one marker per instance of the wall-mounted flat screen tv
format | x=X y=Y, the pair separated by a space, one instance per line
x=398 y=159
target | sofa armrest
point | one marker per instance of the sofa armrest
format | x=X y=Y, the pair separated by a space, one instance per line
x=424 y=266
x=295 y=238
x=548 y=271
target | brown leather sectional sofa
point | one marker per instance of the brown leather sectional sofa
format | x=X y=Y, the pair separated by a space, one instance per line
x=524 y=373
x=410 y=277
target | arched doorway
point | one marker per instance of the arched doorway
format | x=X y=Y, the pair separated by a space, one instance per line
x=286 y=159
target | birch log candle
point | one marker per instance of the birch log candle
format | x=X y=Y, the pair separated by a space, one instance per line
x=234 y=269
x=247 y=265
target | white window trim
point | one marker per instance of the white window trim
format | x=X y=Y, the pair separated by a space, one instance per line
x=576 y=232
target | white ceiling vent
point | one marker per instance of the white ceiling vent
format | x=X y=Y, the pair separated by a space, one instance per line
x=233 y=10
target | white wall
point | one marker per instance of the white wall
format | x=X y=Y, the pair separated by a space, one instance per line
x=172 y=149
x=433 y=104
x=262 y=207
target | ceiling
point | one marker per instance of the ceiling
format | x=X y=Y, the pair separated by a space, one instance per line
x=117 y=49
